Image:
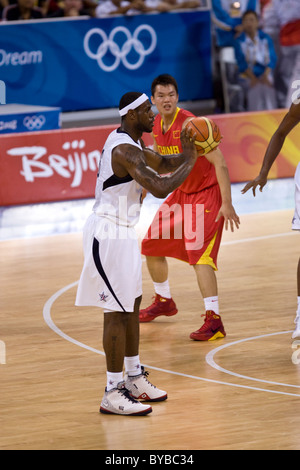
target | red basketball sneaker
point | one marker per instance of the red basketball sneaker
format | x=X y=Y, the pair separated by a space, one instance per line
x=160 y=306
x=212 y=329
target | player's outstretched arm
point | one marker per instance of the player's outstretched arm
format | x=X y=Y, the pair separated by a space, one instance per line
x=260 y=180
x=291 y=119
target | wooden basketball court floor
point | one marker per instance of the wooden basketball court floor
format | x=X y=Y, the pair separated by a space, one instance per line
x=241 y=392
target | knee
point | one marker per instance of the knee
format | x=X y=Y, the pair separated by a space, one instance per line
x=115 y=319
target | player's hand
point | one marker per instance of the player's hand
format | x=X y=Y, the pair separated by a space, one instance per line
x=188 y=137
x=230 y=217
x=260 y=181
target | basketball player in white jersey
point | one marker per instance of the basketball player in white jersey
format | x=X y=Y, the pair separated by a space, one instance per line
x=290 y=120
x=112 y=276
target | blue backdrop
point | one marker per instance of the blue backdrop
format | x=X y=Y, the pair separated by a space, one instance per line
x=90 y=63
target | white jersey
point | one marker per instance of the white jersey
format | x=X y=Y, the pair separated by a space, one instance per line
x=118 y=199
x=111 y=277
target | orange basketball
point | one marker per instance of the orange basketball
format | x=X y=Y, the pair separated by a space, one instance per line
x=208 y=134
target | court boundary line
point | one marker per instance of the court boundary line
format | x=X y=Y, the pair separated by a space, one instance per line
x=48 y=320
x=211 y=362
x=262 y=237
x=53 y=327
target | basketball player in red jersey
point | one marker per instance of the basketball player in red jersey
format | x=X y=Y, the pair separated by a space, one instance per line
x=206 y=189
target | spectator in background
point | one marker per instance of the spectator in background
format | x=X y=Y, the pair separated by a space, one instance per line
x=22 y=10
x=284 y=16
x=51 y=6
x=263 y=3
x=133 y=7
x=4 y=4
x=185 y=4
x=71 y=8
x=256 y=59
x=227 y=19
x=119 y=7
x=173 y=5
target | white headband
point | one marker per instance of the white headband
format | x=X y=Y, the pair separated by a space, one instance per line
x=135 y=104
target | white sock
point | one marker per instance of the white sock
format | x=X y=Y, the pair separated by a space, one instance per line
x=133 y=366
x=212 y=303
x=163 y=289
x=113 y=379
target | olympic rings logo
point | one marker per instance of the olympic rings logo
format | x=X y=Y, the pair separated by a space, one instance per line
x=120 y=53
x=34 y=122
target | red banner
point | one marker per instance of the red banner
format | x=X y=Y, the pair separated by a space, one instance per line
x=50 y=166
x=245 y=140
x=63 y=164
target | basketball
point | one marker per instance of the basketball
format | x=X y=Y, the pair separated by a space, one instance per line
x=208 y=134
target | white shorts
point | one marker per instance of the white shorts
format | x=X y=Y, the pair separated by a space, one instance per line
x=112 y=273
x=296 y=219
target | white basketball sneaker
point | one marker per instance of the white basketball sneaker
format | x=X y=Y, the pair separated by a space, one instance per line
x=119 y=401
x=296 y=334
x=141 y=389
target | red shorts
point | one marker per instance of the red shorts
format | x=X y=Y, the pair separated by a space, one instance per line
x=185 y=228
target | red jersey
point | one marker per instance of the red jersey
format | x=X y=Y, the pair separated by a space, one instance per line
x=203 y=174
